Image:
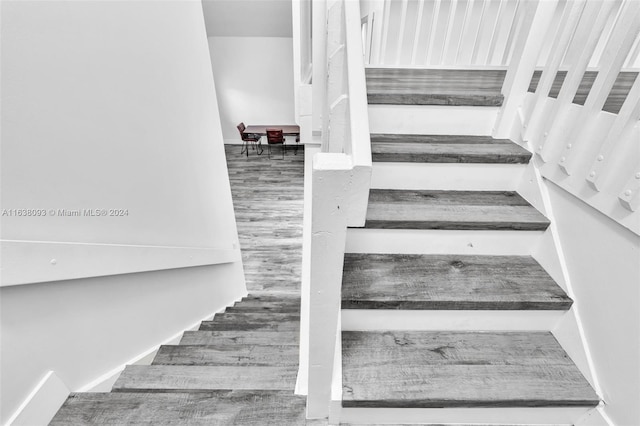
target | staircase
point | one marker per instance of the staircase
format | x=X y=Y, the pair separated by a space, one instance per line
x=238 y=369
x=444 y=318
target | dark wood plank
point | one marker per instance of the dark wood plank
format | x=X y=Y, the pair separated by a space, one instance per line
x=446 y=149
x=472 y=210
x=614 y=101
x=222 y=407
x=256 y=325
x=238 y=354
x=460 y=369
x=179 y=378
x=405 y=281
x=434 y=87
x=260 y=337
x=474 y=87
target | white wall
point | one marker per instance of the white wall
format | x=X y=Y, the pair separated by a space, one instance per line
x=603 y=260
x=254 y=81
x=109 y=105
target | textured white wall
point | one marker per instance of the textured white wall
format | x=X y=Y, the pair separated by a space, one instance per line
x=109 y=105
x=254 y=81
x=603 y=260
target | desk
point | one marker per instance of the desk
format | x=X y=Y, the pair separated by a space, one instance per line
x=287 y=130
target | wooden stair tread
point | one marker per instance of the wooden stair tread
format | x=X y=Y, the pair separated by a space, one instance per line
x=276 y=321
x=434 y=87
x=471 y=210
x=222 y=407
x=175 y=378
x=455 y=282
x=260 y=337
x=459 y=369
x=238 y=354
x=446 y=149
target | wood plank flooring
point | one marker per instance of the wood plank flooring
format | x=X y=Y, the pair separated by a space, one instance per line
x=469 y=210
x=472 y=87
x=268 y=203
x=402 y=148
x=454 y=282
x=459 y=369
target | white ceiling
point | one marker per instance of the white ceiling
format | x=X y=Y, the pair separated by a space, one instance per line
x=248 y=18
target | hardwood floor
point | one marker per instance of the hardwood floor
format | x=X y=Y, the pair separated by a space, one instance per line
x=268 y=202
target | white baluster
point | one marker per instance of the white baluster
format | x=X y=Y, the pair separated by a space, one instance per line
x=604 y=166
x=433 y=31
x=464 y=29
x=584 y=41
x=622 y=38
x=416 y=37
x=385 y=32
x=402 y=29
x=449 y=30
x=536 y=18
x=568 y=23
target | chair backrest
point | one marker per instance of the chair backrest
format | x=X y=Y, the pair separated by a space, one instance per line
x=275 y=136
x=241 y=128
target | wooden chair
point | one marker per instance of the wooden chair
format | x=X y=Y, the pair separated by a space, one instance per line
x=275 y=137
x=249 y=139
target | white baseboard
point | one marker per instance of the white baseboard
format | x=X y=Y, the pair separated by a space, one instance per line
x=48 y=396
x=42 y=403
x=104 y=382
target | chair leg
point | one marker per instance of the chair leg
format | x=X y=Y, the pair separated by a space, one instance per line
x=245 y=148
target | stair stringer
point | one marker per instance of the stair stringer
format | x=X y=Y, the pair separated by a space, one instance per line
x=569 y=330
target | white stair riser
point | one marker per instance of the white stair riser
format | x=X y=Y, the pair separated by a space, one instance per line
x=432 y=119
x=453 y=177
x=410 y=241
x=454 y=320
x=456 y=416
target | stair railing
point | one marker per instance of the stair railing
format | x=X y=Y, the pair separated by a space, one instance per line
x=340 y=190
x=590 y=153
x=457 y=33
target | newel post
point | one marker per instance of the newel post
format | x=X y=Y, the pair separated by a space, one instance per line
x=330 y=186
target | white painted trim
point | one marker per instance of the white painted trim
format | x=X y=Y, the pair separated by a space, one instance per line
x=143 y=358
x=455 y=320
x=43 y=402
x=27 y=262
x=432 y=119
x=512 y=416
x=408 y=241
x=449 y=176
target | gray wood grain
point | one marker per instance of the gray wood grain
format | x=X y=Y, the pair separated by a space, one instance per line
x=268 y=204
x=446 y=149
x=248 y=408
x=260 y=337
x=434 y=87
x=405 y=281
x=232 y=354
x=457 y=369
x=614 y=101
x=177 y=378
x=474 y=210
